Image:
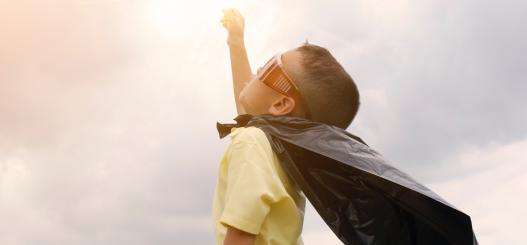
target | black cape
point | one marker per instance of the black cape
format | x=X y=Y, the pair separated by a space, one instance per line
x=361 y=198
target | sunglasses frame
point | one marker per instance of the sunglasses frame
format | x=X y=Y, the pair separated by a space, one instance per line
x=274 y=76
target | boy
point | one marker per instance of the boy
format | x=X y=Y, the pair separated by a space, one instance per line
x=255 y=202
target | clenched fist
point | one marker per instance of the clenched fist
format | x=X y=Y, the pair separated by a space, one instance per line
x=234 y=23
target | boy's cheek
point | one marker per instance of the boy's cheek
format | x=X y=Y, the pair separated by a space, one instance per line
x=246 y=93
x=245 y=101
x=241 y=96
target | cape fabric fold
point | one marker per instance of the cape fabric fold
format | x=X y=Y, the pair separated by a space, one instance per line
x=362 y=198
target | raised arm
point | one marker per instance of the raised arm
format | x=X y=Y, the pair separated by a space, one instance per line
x=233 y=21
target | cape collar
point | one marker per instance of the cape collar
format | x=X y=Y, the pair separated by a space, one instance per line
x=224 y=129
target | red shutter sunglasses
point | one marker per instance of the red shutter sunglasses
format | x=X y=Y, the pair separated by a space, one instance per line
x=274 y=76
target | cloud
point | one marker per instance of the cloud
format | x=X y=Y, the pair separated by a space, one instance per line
x=100 y=126
x=492 y=191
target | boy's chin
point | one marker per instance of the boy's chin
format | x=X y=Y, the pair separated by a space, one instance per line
x=258 y=113
x=253 y=111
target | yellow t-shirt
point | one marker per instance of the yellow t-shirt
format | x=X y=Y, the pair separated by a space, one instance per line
x=254 y=194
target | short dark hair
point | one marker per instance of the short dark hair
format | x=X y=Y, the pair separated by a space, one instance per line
x=329 y=91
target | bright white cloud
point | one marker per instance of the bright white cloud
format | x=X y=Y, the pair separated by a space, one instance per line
x=492 y=192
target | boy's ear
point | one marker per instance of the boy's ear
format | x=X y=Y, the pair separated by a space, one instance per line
x=282 y=106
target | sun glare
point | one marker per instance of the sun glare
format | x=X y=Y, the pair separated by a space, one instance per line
x=179 y=17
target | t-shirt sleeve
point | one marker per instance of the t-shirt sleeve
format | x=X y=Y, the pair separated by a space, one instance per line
x=251 y=185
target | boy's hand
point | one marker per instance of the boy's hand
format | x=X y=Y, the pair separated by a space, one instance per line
x=233 y=21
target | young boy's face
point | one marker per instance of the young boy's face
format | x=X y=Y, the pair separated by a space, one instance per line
x=258 y=98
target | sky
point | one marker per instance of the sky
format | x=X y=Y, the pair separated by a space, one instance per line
x=108 y=109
